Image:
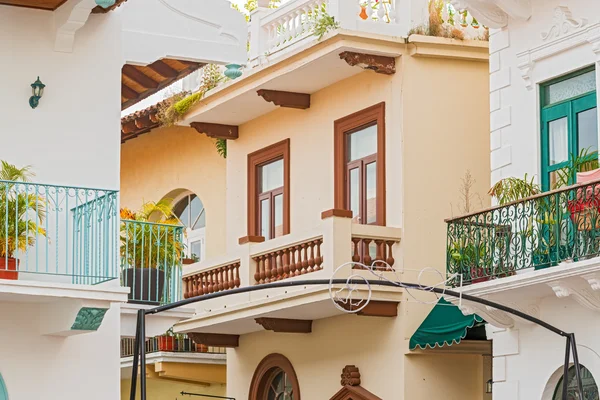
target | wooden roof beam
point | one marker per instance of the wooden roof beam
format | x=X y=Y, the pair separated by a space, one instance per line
x=286 y=99
x=380 y=64
x=215 y=339
x=216 y=131
x=138 y=76
x=128 y=92
x=285 y=325
x=162 y=68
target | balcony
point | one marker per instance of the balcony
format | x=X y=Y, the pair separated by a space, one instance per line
x=297 y=256
x=151 y=259
x=171 y=344
x=560 y=227
x=59 y=234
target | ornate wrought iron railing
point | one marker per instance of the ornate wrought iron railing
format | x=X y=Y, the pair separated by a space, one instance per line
x=151 y=258
x=63 y=232
x=536 y=232
x=179 y=343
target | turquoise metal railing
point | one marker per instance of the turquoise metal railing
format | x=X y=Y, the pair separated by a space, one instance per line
x=151 y=258
x=64 y=233
x=536 y=232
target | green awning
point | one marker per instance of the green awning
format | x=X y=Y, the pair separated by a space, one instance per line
x=445 y=324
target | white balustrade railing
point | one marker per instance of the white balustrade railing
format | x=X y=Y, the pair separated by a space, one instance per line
x=382 y=11
x=274 y=31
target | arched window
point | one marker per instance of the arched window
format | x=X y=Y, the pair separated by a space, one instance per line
x=274 y=379
x=590 y=389
x=190 y=210
x=3 y=391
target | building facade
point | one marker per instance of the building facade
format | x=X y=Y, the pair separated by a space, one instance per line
x=333 y=148
x=71 y=66
x=538 y=253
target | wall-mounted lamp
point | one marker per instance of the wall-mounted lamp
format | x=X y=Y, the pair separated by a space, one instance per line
x=489 y=386
x=37 y=89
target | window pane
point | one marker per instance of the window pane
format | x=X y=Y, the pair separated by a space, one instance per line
x=569 y=88
x=372 y=193
x=196 y=249
x=362 y=143
x=558 y=136
x=354 y=195
x=271 y=176
x=587 y=130
x=196 y=208
x=182 y=210
x=201 y=221
x=278 y=203
x=265 y=219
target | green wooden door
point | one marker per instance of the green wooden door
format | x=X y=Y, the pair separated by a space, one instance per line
x=569 y=125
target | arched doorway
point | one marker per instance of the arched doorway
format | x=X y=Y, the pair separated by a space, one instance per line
x=590 y=389
x=274 y=379
x=191 y=212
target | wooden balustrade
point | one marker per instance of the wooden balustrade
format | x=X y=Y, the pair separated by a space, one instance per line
x=295 y=260
x=214 y=280
x=373 y=252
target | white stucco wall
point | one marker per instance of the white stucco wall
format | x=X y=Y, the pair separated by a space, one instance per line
x=72 y=137
x=527 y=357
x=519 y=58
x=35 y=366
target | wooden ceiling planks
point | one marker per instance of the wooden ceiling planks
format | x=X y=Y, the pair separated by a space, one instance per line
x=139 y=82
x=39 y=4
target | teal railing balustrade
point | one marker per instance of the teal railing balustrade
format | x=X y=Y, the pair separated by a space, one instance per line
x=537 y=232
x=58 y=233
x=151 y=259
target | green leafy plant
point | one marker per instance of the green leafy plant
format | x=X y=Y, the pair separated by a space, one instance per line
x=585 y=161
x=323 y=23
x=21 y=213
x=146 y=245
x=221 y=146
x=174 y=109
x=512 y=189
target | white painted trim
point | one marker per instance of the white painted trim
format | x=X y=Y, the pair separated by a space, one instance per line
x=178 y=357
x=104 y=292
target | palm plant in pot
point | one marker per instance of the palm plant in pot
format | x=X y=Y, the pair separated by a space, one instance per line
x=21 y=216
x=151 y=250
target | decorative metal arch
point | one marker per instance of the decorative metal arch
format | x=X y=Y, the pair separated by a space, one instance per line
x=139 y=356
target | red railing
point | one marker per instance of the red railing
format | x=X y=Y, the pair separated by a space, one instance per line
x=294 y=260
x=216 y=279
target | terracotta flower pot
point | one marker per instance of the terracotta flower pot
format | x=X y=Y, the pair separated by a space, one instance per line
x=363 y=12
x=166 y=343
x=8 y=268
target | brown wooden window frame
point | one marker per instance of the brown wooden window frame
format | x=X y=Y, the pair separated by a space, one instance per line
x=264 y=373
x=374 y=115
x=274 y=152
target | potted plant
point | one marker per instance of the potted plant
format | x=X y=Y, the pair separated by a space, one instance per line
x=193 y=258
x=470 y=260
x=21 y=216
x=149 y=251
x=166 y=342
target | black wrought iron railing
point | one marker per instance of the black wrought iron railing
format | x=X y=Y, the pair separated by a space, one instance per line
x=177 y=343
x=536 y=232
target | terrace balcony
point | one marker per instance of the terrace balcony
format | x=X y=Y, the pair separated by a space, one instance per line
x=313 y=255
x=519 y=253
x=177 y=358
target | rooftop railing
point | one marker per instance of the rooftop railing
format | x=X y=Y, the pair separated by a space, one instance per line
x=151 y=258
x=180 y=343
x=536 y=232
x=57 y=233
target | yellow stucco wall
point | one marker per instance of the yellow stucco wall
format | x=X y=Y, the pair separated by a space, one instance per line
x=163 y=161
x=163 y=389
x=437 y=128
